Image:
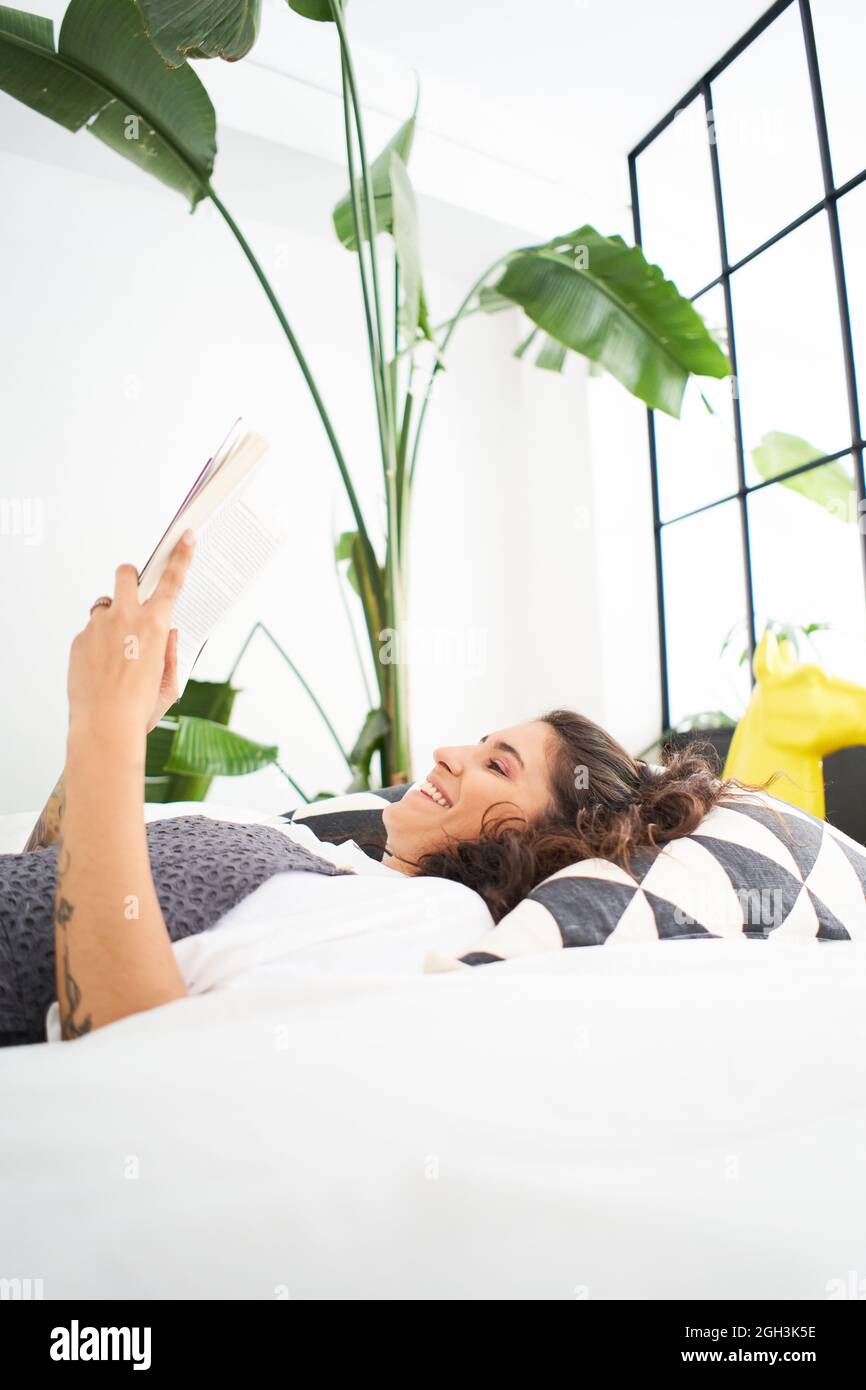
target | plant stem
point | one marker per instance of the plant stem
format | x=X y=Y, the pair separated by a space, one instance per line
x=375 y=355
x=260 y=627
x=403 y=490
x=397 y=741
x=292 y=783
x=369 y=201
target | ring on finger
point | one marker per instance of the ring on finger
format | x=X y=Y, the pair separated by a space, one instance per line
x=103 y=602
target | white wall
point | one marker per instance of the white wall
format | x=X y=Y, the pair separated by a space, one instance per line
x=625 y=592
x=134 y=333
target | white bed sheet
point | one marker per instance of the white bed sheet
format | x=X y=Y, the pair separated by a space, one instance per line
x=683 y=1119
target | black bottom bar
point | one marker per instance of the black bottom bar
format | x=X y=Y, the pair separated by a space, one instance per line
x=161 y=1337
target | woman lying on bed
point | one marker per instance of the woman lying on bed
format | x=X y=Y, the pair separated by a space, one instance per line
x=497 y=816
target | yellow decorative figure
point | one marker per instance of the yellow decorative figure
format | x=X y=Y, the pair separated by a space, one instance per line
x=796 y=716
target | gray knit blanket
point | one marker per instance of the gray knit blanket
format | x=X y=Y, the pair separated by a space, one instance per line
x=201 y=869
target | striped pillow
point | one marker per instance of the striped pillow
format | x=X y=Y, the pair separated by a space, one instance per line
x=755 y=868
x=356 y=816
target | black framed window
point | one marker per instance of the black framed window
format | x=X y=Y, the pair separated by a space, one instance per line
x=751 y=195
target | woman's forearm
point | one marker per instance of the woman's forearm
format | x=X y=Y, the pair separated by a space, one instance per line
x=113 y=953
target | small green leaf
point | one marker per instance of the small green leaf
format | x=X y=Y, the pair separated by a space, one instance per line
x=551 y=356
x=424 y=317
x=369 y=741
x=314 y=9
x=345 y=549
x=349 y=547
x=830 y=486
x=523 y=348
x=343 y=545
x=380 y=182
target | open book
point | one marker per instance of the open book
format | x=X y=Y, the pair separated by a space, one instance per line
x=233 y=543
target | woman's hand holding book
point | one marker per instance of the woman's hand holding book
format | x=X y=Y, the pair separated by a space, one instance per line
x=123 y=664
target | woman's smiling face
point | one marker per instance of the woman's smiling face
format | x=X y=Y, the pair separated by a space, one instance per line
x=507 y=770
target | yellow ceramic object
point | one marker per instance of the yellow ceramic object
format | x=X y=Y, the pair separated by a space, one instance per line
x=796 y=716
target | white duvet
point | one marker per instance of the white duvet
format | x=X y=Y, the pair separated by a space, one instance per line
x=679 y=1119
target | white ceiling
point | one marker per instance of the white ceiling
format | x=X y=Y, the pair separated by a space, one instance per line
x=526 y=110
x=612 y=67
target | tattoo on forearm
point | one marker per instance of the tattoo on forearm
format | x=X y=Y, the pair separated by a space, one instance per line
x=47 y=828
x=70 y=1026
x=69 y=996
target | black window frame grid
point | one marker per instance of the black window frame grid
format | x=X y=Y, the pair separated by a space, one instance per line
x=827 y=205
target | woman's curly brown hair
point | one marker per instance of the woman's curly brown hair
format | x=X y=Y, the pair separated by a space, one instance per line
x=605 y=804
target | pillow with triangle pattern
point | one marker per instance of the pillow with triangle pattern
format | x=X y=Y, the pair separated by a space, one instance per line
x=754 y=868
x=355 y=816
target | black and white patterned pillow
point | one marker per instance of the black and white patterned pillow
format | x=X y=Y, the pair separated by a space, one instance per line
x=755 y=868
x=356 y=816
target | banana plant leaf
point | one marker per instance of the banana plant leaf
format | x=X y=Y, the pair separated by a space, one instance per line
x=349 y=548
x=369 y=741
x=380 y=181
x=831 y=485
x=397 y=213
x=157 y=782
x=603 y=299
x=204 y=748
x=105 y=75
x=181 y=29
x=211 y=700
x=345 y=549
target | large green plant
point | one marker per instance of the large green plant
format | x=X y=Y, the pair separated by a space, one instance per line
x=121 y=70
